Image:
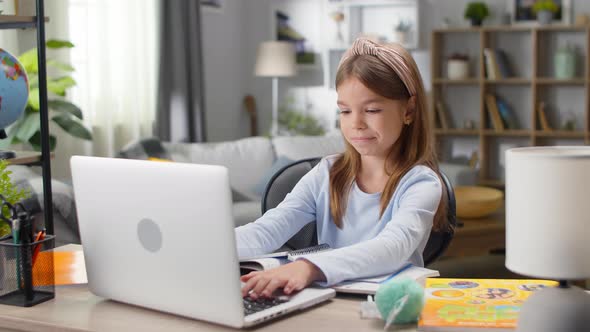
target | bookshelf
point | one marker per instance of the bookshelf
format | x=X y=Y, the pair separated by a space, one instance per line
x=530 y=52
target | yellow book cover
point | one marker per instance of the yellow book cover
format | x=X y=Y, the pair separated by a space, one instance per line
x=475 y=304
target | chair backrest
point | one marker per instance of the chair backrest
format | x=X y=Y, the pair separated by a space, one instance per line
x=279 y=186
x=286 y=178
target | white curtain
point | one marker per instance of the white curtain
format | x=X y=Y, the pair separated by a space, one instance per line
x=115 y=57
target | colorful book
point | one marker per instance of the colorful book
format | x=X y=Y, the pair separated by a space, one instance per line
x=480 y=305
x=508 y=117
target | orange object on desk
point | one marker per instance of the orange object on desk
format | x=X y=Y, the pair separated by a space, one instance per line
x=68 y=268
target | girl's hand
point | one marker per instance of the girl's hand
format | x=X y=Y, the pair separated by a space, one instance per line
x=291 y=277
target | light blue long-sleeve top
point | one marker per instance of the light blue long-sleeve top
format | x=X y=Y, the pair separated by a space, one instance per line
x=366 y=245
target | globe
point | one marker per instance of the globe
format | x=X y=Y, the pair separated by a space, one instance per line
x=14 y=89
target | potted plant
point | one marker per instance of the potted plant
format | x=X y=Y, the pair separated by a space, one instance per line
x=544 y=9
x=476 y=12
x=64 y=114
x=402 y=29
x=11 y=194
x=458 y=66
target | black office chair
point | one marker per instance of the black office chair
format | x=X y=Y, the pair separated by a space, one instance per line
x=286 y=178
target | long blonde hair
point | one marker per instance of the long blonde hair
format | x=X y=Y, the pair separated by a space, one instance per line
x=389 y=71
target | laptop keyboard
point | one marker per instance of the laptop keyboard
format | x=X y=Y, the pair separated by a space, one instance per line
x=252 y=306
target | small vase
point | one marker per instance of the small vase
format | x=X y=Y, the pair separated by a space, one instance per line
x=457 y=69
x=564 y=63
x=476 y=22
x=544 y=17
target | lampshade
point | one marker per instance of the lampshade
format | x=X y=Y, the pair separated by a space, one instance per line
x=548 y=212
x=275 y=59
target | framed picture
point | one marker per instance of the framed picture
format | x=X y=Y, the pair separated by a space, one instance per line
x=212 y=6
x=298 y=22
x=521 y=12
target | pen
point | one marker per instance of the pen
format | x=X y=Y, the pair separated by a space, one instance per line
x=405 y=267
x=40 y=237
x=15 y=240
x=27 y=255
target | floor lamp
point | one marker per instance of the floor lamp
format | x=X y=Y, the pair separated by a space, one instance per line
x=275 y=59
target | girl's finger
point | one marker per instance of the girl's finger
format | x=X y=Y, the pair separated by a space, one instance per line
x=272 y=286
x=289 y=287
x=251 y=283
x=260 y=286
x=248 y=276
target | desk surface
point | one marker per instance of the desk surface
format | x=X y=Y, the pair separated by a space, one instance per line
x=76 y=309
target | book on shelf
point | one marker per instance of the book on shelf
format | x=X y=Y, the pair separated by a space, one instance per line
x=508 y=117
x=492 y=107
x=502 y=63
x=496 y=64
x=443 y=117
x=465 y=305
x=543 y=117
x=491 y=70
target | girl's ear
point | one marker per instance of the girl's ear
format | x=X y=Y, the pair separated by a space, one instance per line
x=410 y=110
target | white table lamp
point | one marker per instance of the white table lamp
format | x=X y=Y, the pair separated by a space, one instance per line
x=275 y=59
x=548 y=232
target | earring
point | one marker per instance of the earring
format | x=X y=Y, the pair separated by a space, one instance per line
x=407 y=122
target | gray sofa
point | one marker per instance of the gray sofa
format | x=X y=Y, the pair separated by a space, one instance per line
x=252 y=161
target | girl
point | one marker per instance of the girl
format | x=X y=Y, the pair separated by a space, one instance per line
x=377 y=202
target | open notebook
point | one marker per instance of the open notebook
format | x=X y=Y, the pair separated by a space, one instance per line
x=357 y=286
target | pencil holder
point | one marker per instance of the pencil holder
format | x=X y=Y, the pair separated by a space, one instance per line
x=27 y=272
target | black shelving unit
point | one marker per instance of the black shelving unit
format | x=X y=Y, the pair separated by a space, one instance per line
x=38 y=22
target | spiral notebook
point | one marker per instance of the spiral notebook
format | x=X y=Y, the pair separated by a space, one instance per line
x=269 y=261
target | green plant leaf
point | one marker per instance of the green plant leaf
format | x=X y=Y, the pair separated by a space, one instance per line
x=71 y=126
x=60 y=85
x=30 y=125
x=33 y=101
x=65 y=106
x=56 y=43
x=35 y=141
x=33 y=82
x=60 y=65
x=29 y=61
x=11 y=136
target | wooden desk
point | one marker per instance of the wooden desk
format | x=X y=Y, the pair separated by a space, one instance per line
x=478 y=236
x=76 y=309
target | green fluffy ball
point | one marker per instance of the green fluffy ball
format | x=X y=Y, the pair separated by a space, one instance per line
x=390 y=292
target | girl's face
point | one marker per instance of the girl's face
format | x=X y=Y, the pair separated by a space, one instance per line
x=371 y=123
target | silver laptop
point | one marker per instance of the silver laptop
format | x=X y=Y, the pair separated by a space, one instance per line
x=161 y=235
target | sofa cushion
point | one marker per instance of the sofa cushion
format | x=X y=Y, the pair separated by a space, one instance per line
x=247 y=159
x=302 y=147
x=145 y=148
x=245 y=212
